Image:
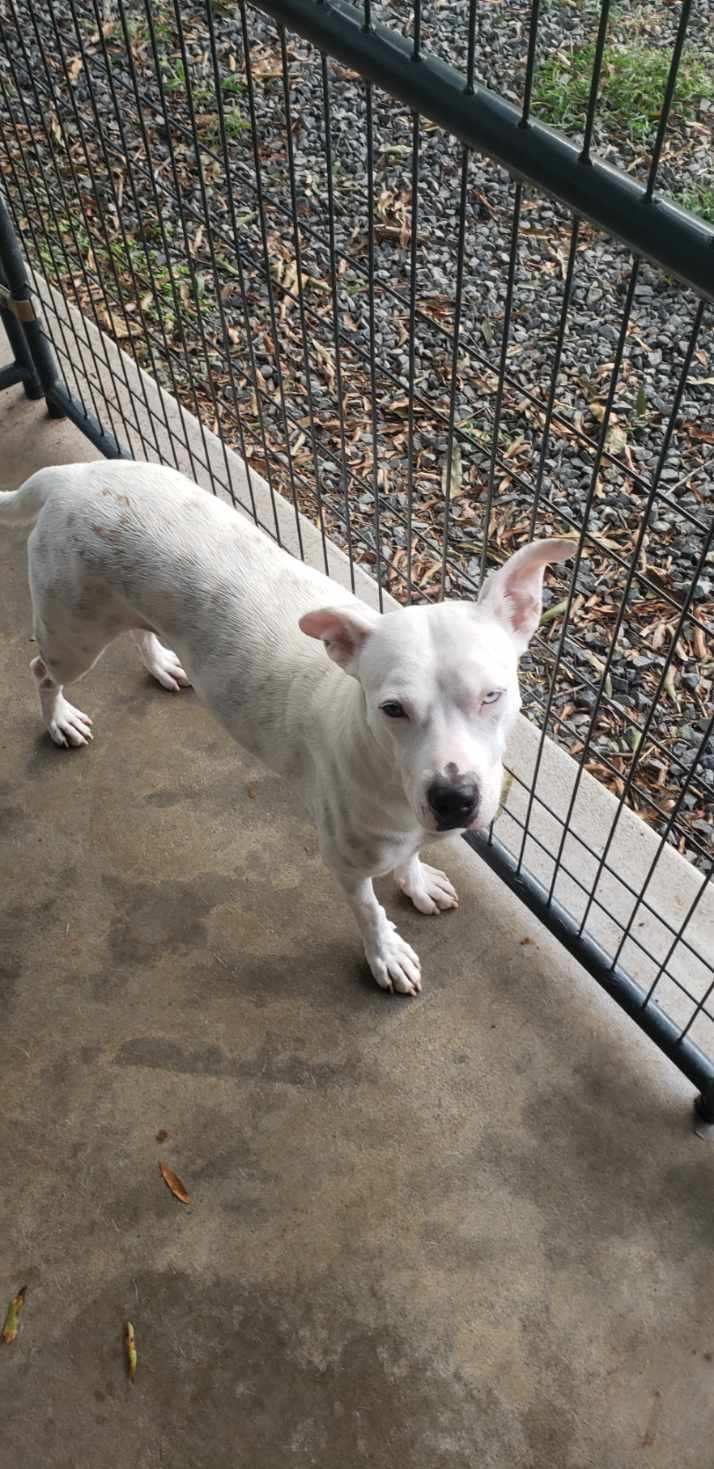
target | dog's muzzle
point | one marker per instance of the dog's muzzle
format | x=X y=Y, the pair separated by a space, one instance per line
x=454 y=803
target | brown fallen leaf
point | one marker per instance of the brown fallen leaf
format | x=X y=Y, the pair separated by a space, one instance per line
x=11 y=1324
x=173 y=1182
x=131 y=1356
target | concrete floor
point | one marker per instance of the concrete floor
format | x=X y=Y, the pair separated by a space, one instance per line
x=473 y=1229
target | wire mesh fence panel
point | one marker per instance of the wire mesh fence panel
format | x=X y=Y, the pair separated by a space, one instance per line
x=432 y=360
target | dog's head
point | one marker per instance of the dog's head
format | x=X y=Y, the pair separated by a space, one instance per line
x=441 y=684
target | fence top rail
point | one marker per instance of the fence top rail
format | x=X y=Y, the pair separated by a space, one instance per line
x=670 y=237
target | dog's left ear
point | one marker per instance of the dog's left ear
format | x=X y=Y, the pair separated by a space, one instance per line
x=513 y=594
x=343 y=630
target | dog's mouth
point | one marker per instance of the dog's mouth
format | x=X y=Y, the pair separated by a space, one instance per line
x=452 y=826
x=431 y=823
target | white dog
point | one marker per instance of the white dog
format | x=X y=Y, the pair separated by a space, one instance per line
x=407 y=747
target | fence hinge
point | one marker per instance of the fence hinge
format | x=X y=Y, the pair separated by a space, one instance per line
x=22 y=309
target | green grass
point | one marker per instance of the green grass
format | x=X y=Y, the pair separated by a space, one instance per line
x=174 y=80
x=699 y=201
x=233 y=120
x=632 y=88
x=173 y=76
x=163 y=25
x=68 y=245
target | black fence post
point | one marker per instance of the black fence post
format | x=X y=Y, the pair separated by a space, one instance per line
x=704 y=1106
x=34 y=360
x=21 y=369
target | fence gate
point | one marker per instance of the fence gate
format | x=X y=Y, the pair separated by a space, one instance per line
x=442 y=276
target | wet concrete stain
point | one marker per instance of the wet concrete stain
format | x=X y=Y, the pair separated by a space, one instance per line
x=575 y=1147
x=12 y=817
x=18 y=926
x=338 y=981
x=238 y=1374
x=45 y=753
x=11 y=969
x=269 y=1066
x=153 y=919
x=230 y=1180
x=212 y=796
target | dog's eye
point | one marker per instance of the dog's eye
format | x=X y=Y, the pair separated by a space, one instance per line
x=493 y=696
x=394 y=710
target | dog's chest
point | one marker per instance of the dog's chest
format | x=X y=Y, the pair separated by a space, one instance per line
x=374 y=855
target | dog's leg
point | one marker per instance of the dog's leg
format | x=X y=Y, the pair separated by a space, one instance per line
x=161 y=662
x=392 y=961
x=67 y=725
x=429 y=889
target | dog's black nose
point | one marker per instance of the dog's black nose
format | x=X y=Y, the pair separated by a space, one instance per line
x=454 y=802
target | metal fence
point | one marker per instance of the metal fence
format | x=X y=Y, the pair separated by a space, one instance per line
x=439 y=328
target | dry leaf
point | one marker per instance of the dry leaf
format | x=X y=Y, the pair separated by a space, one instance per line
x=451 y=474
x=115 y=324
x=515 y=448
x=670 y=685
x=505 y=792
x=553 y=612
x=56 y=130
x=74 y=67
x=12 y=1320
x=174 y=1184
x=131 y=1351
x=267 y=66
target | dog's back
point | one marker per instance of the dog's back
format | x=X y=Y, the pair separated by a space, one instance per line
x=120 y=546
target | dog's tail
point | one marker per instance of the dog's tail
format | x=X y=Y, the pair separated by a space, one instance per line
x=22 y=507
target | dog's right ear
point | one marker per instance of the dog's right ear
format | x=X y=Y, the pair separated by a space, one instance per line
x=343 y=630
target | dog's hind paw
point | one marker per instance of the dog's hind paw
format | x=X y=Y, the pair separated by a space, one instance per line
x=167 y=671
x=69 y=726
x=162 y=663
x=394 y=964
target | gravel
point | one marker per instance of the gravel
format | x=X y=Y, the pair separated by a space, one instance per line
x=94 y=223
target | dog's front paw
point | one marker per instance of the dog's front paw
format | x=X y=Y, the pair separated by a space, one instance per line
x=394 y=964
x=429 y=889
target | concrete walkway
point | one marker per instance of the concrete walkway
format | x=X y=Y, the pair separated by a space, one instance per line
x=469 y=1230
